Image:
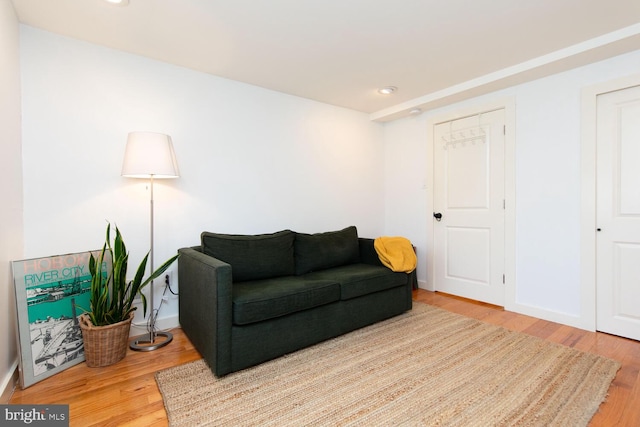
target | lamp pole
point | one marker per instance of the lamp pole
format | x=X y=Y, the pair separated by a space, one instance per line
x=150 y=155
x=141 y=344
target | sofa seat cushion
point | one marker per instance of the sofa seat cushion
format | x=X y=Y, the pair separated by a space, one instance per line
x=360 y=279
x=259 y=300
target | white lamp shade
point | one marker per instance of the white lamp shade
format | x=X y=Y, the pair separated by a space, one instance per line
x=149 y=154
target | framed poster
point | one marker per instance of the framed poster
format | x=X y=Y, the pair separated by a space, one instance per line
x=51 y=293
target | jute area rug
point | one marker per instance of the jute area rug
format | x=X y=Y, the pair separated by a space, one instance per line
x=428 y=367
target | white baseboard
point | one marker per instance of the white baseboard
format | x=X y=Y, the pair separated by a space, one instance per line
x=424 y=285
x=9 y=383
x=538 y=312
x=548 y=315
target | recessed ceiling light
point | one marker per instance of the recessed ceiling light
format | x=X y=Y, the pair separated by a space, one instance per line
x=387 y=90
x=415 y=111
x=118 y=2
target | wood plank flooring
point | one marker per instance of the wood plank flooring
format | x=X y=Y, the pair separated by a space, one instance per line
x=622 y=407
x=125 y=394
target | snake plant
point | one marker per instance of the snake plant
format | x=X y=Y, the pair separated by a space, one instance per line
x=112 y=295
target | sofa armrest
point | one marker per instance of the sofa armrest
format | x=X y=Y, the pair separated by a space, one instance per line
x=368 y=254
x=205 y=306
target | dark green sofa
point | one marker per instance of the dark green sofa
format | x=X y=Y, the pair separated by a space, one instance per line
x=248 y=299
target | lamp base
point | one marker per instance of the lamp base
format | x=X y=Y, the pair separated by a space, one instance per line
x=143 y=343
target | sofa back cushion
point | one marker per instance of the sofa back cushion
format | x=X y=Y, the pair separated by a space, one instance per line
x=253 y=257
x=320 y=251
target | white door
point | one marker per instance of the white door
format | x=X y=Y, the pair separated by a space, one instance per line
x=618 y=213
x=469 y=198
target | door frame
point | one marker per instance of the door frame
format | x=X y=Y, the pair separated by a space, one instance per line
x=588 y=194
x=509 y=106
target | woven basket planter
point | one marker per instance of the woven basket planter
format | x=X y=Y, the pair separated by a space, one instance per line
x=104 y=345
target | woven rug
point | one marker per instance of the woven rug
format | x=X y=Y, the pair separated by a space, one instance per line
x=426 y=367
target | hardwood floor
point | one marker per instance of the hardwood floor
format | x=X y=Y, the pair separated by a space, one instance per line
x=622 y=407
x=126 y=393
x=123 y=394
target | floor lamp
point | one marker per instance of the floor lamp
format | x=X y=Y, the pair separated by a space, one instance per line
x=150 y=155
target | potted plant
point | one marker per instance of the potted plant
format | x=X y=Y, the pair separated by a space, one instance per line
x=105 y=327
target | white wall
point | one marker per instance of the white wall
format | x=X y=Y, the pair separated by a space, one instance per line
x=10 y=189
x=251 y=160
x=254 y=160
x=547 y=151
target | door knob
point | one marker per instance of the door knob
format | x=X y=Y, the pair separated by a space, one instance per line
x=437 y=216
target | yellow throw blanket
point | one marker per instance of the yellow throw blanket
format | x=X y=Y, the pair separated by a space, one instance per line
x=396 y=253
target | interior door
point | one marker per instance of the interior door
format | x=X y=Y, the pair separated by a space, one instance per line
x=469 y=207
x=618 y=213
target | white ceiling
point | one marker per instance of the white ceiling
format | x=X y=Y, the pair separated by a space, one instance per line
x=341 y=51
